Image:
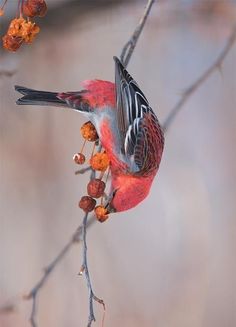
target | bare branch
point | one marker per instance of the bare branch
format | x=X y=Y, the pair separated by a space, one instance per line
x=192 y=88
x=82 y=170
x=129 y=47
x=84 y=269
x=34 y=292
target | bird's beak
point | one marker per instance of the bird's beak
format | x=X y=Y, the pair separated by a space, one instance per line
x=110 y=207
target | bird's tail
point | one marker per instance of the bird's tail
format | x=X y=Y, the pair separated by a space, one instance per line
x=42 y=98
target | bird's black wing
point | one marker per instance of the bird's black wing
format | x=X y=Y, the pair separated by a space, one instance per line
x=140 y=133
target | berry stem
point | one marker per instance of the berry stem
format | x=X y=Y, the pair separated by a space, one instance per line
x=94 y=146
x=82 y=149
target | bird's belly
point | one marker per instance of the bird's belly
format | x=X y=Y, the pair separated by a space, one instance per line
x=107 y=129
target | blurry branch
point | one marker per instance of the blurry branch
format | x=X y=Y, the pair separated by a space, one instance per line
x=71 y=11
x=8 y=308
x=129 y=47
x=7 y=73
x=217 y=64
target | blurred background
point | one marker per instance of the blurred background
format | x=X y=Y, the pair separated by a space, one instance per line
x=170 y=261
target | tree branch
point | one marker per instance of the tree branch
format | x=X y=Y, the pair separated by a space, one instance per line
x=77 y=237
x=84 y=269
x=129 y=47
x=82 y=170
x=192 y=88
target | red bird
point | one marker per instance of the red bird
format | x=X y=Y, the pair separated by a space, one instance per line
x=127 y=127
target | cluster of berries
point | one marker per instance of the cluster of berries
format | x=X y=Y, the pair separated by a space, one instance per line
x=96 y=187
x=22 y=30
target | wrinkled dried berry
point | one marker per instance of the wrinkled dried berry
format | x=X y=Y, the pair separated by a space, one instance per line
x=32 y=8
x=12 y=43
x=96 y=188
x=100 y=161
x=88 y=131
x=87 y=203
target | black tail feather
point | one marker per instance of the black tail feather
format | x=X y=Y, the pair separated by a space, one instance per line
x=34 y=97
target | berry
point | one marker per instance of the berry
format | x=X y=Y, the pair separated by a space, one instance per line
x=87 y=203
x=88 y=131
x=12 y=43
x=96 y=188
x=79 y=158
x=101 y=213
x=100 y=161
x=32 y=8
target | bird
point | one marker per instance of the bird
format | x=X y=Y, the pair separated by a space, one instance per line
x=128 y=130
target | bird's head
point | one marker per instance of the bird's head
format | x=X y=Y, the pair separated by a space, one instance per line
x=128 y=191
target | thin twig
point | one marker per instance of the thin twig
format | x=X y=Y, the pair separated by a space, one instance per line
x=82 y=170
x=84 y=268
x=34 y=292
x=192 y=88
x=129 y=47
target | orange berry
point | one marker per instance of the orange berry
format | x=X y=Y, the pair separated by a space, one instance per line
x=32 y=8
x=11 y=43
x=31 y=30
x=87 y=203
x=89 y=132
x=79 y=158
x=25 y=29
x=1 y=12
x=101 y=213
x=100 y=161
x=96 y=188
